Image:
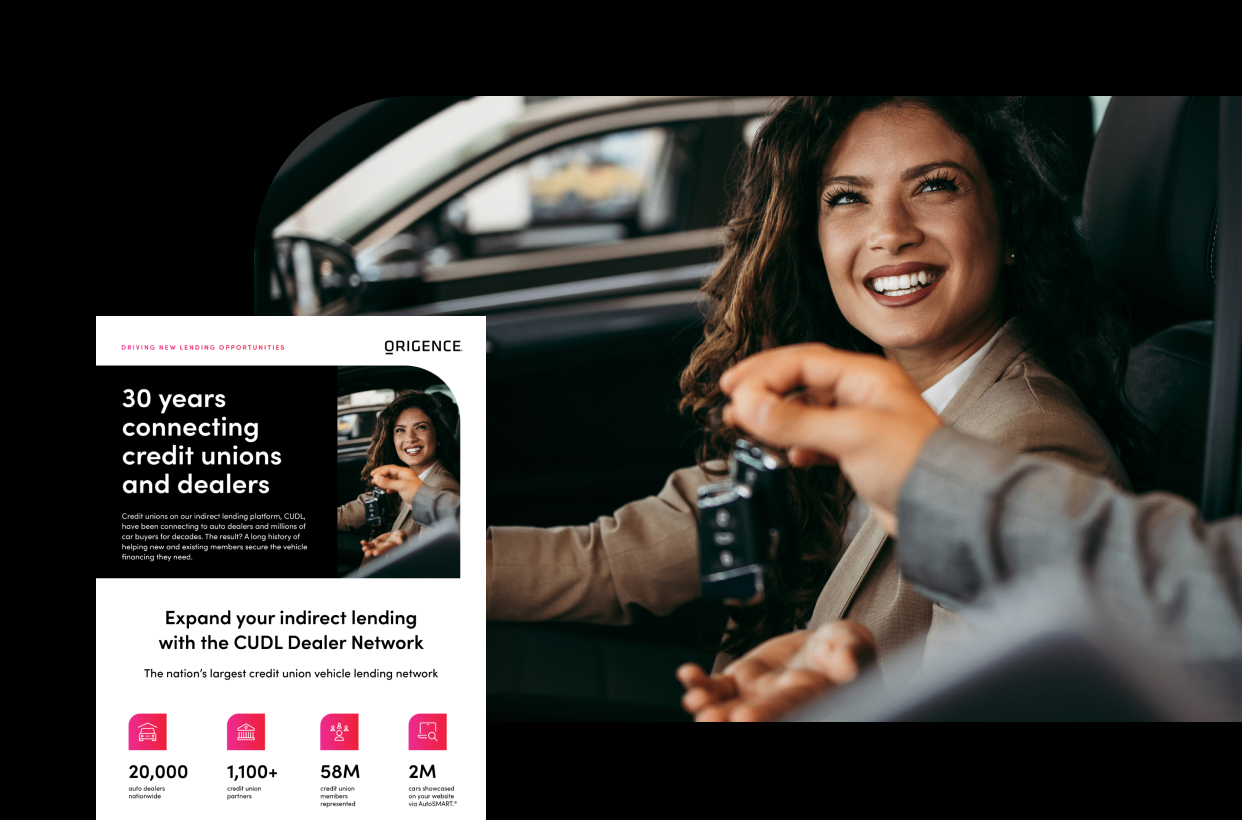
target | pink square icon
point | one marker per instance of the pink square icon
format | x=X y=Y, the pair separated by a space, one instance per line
x=246 y=732
x=338 y=733
x=148 y=733
x=428 y=732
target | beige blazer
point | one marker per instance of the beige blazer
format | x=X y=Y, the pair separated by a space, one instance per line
x=646 y=553
x=354 y=514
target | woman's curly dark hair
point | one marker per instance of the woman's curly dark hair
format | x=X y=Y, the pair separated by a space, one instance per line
x=383 y=449
x=771 y=288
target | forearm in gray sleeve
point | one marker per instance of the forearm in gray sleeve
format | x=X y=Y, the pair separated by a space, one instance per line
x=430 y=506
x=973 y=515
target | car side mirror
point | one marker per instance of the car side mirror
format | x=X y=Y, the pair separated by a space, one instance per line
x=317 y=275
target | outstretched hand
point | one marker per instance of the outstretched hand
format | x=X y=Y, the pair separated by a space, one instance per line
x=778 y=675
x=401 y=480
x=383 y=543
x=861 y=411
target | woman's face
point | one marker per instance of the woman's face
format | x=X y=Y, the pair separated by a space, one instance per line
x=414 y=436
x=910 y=233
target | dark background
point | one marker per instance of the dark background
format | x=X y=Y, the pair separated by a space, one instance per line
x=293 y=407
x=172 y=190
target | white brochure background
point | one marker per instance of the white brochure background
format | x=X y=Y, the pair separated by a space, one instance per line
x=129 y=617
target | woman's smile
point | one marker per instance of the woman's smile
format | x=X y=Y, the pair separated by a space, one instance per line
x=902 y=285
x=415 y=438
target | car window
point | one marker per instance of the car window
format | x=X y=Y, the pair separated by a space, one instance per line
x=452 y=138
x=612 y=187
x=539 y=193
x=349 y=426
x=381 y=396
x=595 y=190
x=355 y=426
x=359 y=424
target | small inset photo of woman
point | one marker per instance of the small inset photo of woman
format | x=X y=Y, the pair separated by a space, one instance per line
x=398 y=468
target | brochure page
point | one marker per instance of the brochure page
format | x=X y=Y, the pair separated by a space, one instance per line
x=276 y=633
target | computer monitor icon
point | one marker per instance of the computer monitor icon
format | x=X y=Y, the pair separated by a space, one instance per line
x=428 y=731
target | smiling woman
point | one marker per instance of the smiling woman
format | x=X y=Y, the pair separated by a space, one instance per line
x=929 y=230
x=876 y=211
x=842 y=197
x=414 y=436
x=413 y=431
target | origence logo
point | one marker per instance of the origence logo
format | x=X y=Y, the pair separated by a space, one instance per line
x=422 y=346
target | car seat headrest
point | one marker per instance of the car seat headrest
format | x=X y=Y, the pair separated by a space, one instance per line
x=1149 y=203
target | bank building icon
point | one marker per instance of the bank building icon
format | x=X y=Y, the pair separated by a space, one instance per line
x=247 y=732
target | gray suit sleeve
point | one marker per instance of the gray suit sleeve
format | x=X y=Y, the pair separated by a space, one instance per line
x=974 y=515
x=431 y=505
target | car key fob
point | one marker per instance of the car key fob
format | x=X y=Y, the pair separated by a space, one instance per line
x=372 y=504
x=744 y=524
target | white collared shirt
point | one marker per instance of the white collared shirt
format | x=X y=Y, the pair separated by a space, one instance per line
x=942 y=392
x=423 y=475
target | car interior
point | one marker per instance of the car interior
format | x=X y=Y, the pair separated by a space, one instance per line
x=1150 y=222
x=582 y=381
